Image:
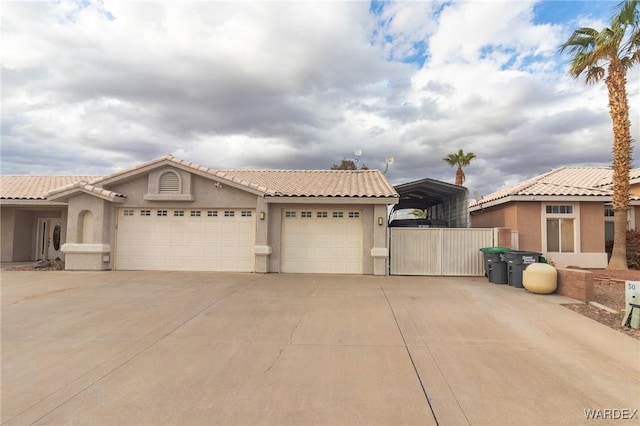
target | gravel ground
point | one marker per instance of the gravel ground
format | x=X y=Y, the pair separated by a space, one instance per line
x=41 y=265
x=609 y=291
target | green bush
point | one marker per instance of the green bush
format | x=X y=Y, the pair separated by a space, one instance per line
x=633 y=249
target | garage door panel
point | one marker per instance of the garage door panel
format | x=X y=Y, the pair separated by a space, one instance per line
x=195 y=240
x=321 y=241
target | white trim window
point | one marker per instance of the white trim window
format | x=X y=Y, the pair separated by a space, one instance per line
x=609 y=219
x=560 y=227
x=608 y=223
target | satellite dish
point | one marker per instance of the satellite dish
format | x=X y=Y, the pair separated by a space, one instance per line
x=477 y=195
x=389 y=160
x=358 y=153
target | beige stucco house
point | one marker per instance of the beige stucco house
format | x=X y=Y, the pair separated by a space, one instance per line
x=169 y=214
x=565 y=213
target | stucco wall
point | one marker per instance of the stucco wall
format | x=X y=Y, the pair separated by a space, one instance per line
x=7 y=215
x=79 y=204
x=24 y=236
x=502 y=216
x=592 y=228
x=529 y=225
x=205 y=194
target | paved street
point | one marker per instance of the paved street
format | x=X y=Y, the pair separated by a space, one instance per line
x=204 y=348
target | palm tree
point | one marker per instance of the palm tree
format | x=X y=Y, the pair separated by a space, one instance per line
x=419 y=213
x=461 y=160
x=617 y=49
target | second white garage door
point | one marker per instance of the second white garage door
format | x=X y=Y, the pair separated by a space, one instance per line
x=322 y=241
x=185 y=240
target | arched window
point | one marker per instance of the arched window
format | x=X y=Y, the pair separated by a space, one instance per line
x=169 y=183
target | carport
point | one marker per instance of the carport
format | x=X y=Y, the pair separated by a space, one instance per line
x=446 y=204
x=440 y=244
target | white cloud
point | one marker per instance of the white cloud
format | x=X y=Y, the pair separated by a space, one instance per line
x=89 y=87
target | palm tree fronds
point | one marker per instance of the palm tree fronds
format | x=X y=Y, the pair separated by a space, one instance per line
x=628 y=13
x=594 y=74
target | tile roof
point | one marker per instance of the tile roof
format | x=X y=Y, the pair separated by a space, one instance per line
x=269 y=183
x=564 y=181
x=315 y=183
x=86 y=187
x=286 y=183
x=30 y=187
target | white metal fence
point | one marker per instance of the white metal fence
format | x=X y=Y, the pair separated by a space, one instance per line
x=442 y=251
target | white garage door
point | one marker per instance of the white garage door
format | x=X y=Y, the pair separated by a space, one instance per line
x=185 y=240
x=322 y=241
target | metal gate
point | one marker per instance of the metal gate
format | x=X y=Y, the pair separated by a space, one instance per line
x=441 y=251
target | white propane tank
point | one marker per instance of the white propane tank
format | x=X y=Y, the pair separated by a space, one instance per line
x=540 y=278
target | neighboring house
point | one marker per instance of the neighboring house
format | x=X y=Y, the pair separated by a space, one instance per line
x=566 y=213
x=169 y=214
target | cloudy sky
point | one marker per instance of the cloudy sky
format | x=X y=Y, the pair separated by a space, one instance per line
x=90 y=87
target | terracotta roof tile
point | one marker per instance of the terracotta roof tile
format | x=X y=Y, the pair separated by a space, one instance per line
x=29 y=187
x=564 y=181
x=315 y=183
x=285 y=183
x=86 y=187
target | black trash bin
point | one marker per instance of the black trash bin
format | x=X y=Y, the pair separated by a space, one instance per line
x=495 y=267
x=517 y=261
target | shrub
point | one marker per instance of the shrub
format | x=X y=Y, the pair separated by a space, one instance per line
x=633 y=249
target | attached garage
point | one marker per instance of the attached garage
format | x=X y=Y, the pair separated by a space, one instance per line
x=322 y=241
x=173 y=215
x=185 y=239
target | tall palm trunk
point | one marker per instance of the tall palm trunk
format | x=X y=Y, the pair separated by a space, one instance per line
x=459 y=176
x=619 y=110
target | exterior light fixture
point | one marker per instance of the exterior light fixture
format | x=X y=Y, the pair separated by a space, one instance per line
x=380 y=221
x=262 y=215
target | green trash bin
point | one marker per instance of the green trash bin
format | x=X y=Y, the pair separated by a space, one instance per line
x=495 y=266
x=517 y=261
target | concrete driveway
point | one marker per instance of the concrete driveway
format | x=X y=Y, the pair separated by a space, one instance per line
x=200 y=348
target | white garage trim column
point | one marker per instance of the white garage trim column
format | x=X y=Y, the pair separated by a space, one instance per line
x=86 y=257
x=262 y=250
x=380 y=251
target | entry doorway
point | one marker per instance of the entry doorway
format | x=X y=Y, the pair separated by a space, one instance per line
x=49 y=239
